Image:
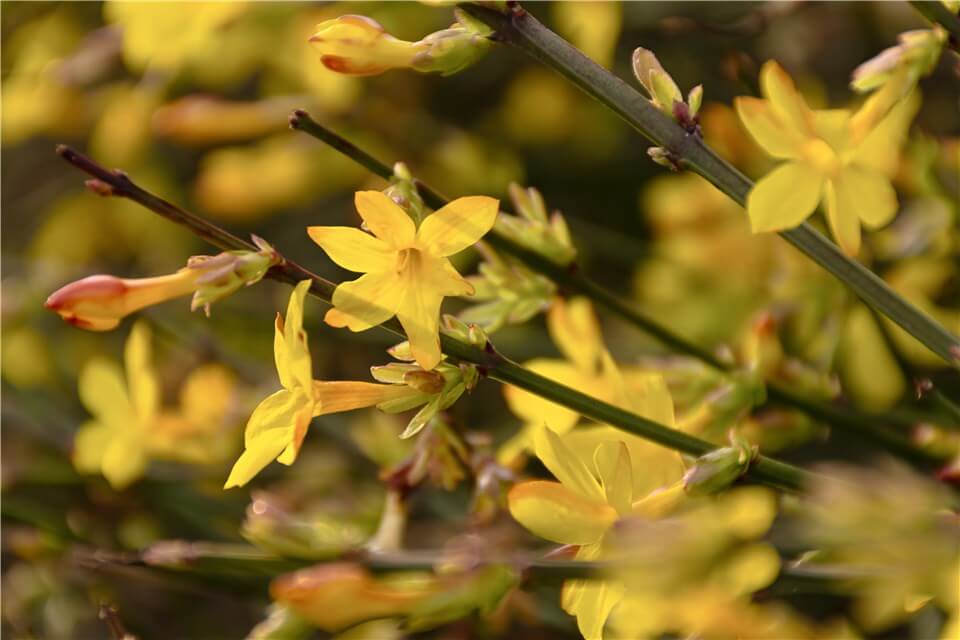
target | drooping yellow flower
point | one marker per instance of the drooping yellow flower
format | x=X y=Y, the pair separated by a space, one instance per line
x=278 y=425
x=826 y=159
x=406 y=269
x=582 y=508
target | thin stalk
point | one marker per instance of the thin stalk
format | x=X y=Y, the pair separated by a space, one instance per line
x=938 y=14
x=574 y=281
x=764 y=469
x=520 y=29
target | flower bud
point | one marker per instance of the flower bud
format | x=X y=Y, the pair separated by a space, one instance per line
x=289 y=535
x=100 y=302
x=223 y=274
x=717 y=470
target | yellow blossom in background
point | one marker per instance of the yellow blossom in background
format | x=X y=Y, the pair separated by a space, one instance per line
x=681 y=571
x=581 y=509
x=130 y=427
x=407 y=269
x=826 y=159
x=593 y=27
x=278 y=425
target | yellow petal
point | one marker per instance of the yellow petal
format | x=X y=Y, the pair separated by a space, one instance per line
x=104 y=393
x=778 y=140
x=785 y=100
x=593 y=606
x=207 y=395
x=89 y=446
x=141 y=380
x=566 y=466
x=554 y=512
x=124 y=459
x=340 y=396
x=369 y=300
x=612 y=461
x=747 y=512
x=574 y=328
x=650 y=397
x=784 y=198
x=419 y=313
x=385 y=218
x=353 y=249
x=296 y=353
x=458 y=225
x=880 y=149
x=869 y=193
x=842 y=218
x=260 y=452
x=749 y=570
x=301 y=422
x=533 y=409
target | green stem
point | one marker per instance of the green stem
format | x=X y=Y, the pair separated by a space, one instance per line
x=522 y=30
x=574 y=281
x=938 y=14
x=765 y=470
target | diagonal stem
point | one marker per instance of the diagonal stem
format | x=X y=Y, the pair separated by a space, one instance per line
x=763 y=469
x=520 y=29
x=576 y=282
x=937 y=13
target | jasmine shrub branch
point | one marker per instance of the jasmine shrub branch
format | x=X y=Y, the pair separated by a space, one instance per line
x=522 y=30
x=866 y=426
x=763 y=469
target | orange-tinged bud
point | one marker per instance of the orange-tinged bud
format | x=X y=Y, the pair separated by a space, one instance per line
x=98 y=303
x=357 y=45
x=339 y=595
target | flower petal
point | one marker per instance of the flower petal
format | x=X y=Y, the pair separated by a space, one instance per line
x=353 y=249
x=554 y=512
x=869 y=192
x=419 y=313
x=260 y=452
x=566 y=466
x=596 y=600
x=277 y=412
x=141 y=379
x=574 y=329
x=749 y=569
x=385 y=218
x=124 y=459
x=784 y=198
x=778 y=140
x=842 y=218
x=369 y=300
x=785 y=100
x=612 y=461
x=458 y=225
x=296 y=354
x=104 y=393
x=89 y=445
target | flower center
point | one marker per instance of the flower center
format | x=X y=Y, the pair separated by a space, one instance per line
x=408 y=259
x=824 y=159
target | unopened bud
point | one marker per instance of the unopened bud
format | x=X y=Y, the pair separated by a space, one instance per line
x=429 y=382
x=717 y=470
x=223 y=274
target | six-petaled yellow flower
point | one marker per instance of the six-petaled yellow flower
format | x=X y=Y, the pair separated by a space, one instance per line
x=278 y=425
x=407 y=270
x=828 y=159
x=583 y=506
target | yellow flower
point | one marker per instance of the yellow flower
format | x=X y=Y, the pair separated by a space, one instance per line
x=129 y=425
x=124 y=409
x=826 y=159
x=582 y=507
x=278 y=425
x=407 y=270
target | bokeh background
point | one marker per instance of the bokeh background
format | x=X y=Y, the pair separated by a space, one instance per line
x=193 y=103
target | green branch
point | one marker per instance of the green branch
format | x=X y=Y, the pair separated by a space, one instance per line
x=493 y=364
x=937 y=13
x=574 y=281
x=520 y=29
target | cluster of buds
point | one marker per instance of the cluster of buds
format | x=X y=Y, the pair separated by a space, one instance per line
x=534 y=229
x=360 y=46
x=507 y=291
x=403 y=191
x=436 y=389
x=663 y=91
x=340 y=595
x=100 y=302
